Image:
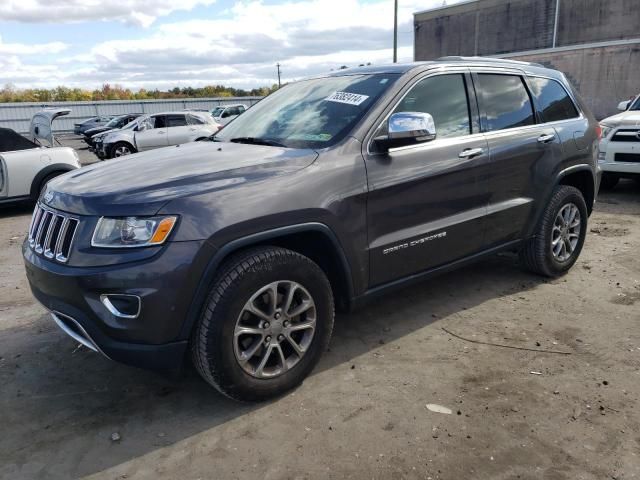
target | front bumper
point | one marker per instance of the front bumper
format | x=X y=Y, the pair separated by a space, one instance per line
x=165 y=285
x=612 y=152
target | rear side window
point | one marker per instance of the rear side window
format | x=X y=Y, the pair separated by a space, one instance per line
x=445 y=98
x=176 y=121
x=505 y=102
x=552 y=99
x=193 y=120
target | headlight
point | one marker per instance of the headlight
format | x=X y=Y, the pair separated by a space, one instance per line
x=606 y=130
x=132 y=231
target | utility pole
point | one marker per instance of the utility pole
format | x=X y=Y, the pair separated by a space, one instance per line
x=278 y=65
x=395 y=31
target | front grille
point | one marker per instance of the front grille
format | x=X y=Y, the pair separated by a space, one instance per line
x=626 y=136
x=51 y=233
x=627 y=157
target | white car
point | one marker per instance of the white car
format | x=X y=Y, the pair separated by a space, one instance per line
x=619 y=155
x=155 y=131
x=225 y=113
x=27 y=164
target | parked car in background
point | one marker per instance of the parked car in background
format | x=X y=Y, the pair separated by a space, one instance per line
x=328 y=192
x=93 y=122
x=156 y=131
x=225 y=113
x=619 y=155
x=26 y=166
x=114 y=124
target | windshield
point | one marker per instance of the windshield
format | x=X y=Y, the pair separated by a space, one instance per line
x=114 y=122
x=313 y=113
x=635 y=105
x=216 y=112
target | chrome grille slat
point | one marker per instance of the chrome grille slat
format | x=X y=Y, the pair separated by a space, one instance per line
x=51 y=233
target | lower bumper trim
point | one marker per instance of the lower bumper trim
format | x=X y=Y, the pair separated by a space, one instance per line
x=72 y=328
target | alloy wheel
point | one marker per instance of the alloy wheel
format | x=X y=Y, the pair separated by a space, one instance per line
x=566 y=232
x=274 y=329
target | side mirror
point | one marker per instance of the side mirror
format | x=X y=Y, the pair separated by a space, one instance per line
x=141 y=127
x=407 y=128
x=622 y=106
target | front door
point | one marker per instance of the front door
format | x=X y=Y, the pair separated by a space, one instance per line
x=154 y=135
x=426 y=202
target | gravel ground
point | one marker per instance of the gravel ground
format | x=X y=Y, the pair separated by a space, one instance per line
x=66 y=412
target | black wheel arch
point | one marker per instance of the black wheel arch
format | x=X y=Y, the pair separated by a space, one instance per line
x=56 y=168
x=309 y=239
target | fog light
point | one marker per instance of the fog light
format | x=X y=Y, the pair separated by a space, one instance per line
x=602 y=155
x=122 y=305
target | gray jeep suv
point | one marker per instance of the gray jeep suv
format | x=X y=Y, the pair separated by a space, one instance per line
x=326 y=193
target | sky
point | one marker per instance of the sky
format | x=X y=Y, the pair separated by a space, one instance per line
x=168 y=43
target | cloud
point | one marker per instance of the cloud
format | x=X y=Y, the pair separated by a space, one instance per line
x=241 y=47
x=33 y=49
x=137 y=12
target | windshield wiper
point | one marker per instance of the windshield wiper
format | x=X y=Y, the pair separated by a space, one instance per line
x=257 y=141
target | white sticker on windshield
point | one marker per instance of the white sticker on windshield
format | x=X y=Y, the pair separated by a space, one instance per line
x=346 y=97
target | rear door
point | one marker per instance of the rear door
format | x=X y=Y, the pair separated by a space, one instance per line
x=154 y=135
x=426 y=202
x=178 y=129
x=519 y=150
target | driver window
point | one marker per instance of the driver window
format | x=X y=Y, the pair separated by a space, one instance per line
x=445 y=98
x=157 y=121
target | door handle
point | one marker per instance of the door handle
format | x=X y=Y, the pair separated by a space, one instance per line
x=471 y=152
x=160 y=133
x=546 y=138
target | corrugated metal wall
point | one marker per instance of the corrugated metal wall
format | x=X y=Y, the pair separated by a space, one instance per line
x=17 y=116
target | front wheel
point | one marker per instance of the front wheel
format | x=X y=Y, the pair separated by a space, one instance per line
x=121 y=149
x=267 y=321
x=560 y=235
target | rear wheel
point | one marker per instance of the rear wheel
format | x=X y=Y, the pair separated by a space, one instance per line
x=121 y=149
x=560 y=235
x=608 y=181
x=267 y=321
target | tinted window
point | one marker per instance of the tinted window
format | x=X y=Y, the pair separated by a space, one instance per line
x=552 y=99
x=505 y=101
x=157 y=121
x=176 y=121
x=445 y=98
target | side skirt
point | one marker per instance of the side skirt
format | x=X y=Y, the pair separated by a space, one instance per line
x=373 y=293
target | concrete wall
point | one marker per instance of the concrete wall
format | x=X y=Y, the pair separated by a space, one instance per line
x=489 y=27
x=524 y=29
x=604 y=76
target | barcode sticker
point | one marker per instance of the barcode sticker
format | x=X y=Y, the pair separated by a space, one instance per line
x=346 y=97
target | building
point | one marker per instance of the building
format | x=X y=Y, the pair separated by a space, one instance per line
x=596 y=43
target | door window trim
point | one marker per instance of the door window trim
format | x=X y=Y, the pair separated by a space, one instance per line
x=474 y=121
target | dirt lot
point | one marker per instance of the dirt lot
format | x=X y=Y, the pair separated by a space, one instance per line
x=362 y=414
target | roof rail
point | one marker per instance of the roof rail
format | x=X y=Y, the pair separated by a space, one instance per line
x=488 y=60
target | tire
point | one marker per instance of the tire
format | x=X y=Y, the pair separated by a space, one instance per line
x=216 y=347
x=609 y=181
x=121 y=149
x=538 y=253
x=44 y=182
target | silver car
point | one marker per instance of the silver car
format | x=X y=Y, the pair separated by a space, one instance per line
x=225 y=113
x=155 y=131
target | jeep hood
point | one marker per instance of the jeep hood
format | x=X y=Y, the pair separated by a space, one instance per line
x=629 y=118
x=141 y=184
